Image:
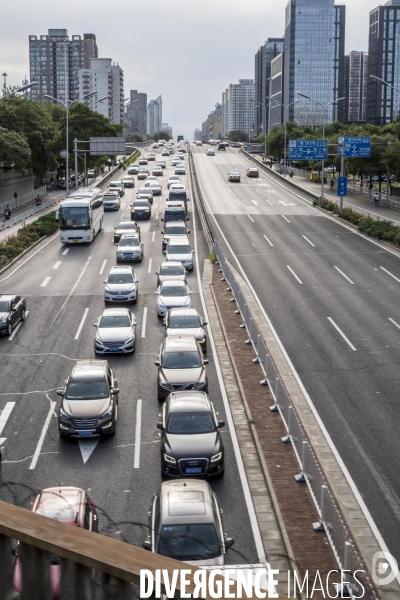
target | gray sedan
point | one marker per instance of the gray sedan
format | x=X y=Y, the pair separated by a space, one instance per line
x=115 y=331
x=172 y=294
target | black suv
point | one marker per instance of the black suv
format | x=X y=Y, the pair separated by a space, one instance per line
x=12 y=311
x=141 y=209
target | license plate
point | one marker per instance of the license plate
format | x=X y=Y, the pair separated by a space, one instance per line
x=193 y=470
x=119 y=297
x=75 y=241
x=85 y=433
x=114 y=349
x=140 y=214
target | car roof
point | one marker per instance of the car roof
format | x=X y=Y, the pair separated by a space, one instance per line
x=126 y=236
x=184 y=401
x=119 y=311
x=185 y=501
x=171 y=263
x=174 y=343
x=175 y=224
x=121 y=269
x=179 y=240
x=9 y=296
x=172 y=283
x=67 y=499
x=89 y=370
x=132 y=223
x=183 y=311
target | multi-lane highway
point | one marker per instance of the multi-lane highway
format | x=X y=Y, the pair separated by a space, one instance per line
x=333 y=298
x=64 y=290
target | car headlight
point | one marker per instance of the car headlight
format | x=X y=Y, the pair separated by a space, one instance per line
x=201 y=383
x=169 y=459
x=98 y=342
x=129 y=340
x=164 y=384
x=63 y=414
x=108 y=413
x=216 y=457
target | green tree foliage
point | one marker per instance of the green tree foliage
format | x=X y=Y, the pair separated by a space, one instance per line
x=161 y=135
x=238 y=136
x=14 y=150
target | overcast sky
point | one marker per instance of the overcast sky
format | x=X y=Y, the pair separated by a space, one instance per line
x=187 y=51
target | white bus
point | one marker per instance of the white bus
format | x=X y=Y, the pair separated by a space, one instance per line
x=81 y=216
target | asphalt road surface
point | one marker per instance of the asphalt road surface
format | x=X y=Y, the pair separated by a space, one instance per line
x=64 y=290
x=333 y=297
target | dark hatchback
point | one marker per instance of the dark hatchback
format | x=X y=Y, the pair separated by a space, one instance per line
x=191 y=443
x=141 y=209
x=125 y=227
x=12 y=311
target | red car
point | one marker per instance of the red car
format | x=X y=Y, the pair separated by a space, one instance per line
x=66 y=504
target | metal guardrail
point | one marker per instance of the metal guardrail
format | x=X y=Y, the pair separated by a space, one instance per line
x=29 y=213
x=330 y=518
x=200 y=201
x=24 y=199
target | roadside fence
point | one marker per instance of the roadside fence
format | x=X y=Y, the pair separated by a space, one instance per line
x=24 y=199
x=29 y=213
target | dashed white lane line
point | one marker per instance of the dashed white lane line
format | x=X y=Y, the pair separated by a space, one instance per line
x=153 y=236
x=250 y=218
x=6 y=412
x=346 y=339
x=42 y=436
x=294 y=275
x=156 y=216
x=391 y=274
x=345 y=276
x=45 y=282
x=136 y=458
x=269 y=202
x=65 y=252
x=144 y=322
x=285 y=218
x=58 y=263
x=391 y=320
x=270 y=243
x=307 y=240
x=150 y=262
x=258 y=191
x=85 y=314
x=102 y=267
x=17 y=327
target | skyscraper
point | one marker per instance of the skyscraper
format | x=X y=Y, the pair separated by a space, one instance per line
x=238 y=107
x=314 y=59
x=263 y=59
x=383 y=103
x=51 y=55
x=356 y=80
x=154 y=116
x=107 y=79
x=136 y=114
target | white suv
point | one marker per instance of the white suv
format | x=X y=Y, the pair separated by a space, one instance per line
x=121 y=285
x=130 y=247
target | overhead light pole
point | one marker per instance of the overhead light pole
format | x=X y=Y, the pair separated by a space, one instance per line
x=264 y=106
x=285 y=112
x=27 y=86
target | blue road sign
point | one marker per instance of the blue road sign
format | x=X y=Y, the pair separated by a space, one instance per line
x=355 y=147
x=342 y=186
x=308 y=149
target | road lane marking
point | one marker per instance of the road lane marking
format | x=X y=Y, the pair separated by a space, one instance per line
x=65 y=252
x=85 y=314
x=258 y=191
x=58 y=263
x=270 y=243
x=285 y=218
x=250 y=218
x=102 y=267
x=345 y=276
x=390 y=319
x=152 y=237
x=149 y=269
x=31 y=256
x=17 y=327
x=391 y=275
x=144 y=322
x=4 y=418
x=136 y=458
x=294 y=274
x=307 y=240
x=87 y=447
x=45 y=282
x=269 y=202
x=346 y=339
x=42 y=436
x=156 y=216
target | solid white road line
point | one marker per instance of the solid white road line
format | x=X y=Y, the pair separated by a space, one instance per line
x=346 y=339
x=307 y=240
x=270 y=243
x=45 y=282
x=85 y=314
x=136 y=458
x=345 y=276
x=58 y=263
x=153 y=236
x=31 y=256
x=269 y=202
x=6 y=412
x=294 y=274
x=250 y=218
x=285 y=218
x=102 y=267
x=65 y=252
x=391 y=320
x=149 y=269
x=258 y=191
x=144 y=322
x=391 y=275
x=156 y=216
x=42 y=436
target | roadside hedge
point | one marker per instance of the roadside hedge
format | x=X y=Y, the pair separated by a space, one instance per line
x=382 y=230
x=14 y=245
x=130 y=159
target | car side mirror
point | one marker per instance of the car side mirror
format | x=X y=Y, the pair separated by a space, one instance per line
x=204 y=324
x=161 y=219
x=206 y=361
x=60 y=392
x=147 y=545
x=157 y=363
x=188 y=231
x=136 y=280
x=160 y=426
x=221 y=424
x=187 y=218
x=95 y=324
x=228 y=543
x=190 y=293
x=115 y=391
x=162 y=232
x=104 y=280
x=157 y=293
x=193 y=251
x=115 y=228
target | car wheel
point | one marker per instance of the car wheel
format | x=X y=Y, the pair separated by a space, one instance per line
x=134 y=349
x=23 y=315
x=9 y=329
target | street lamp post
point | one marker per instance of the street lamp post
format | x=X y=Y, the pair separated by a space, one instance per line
x=21 y=89
x=285 y=109
x=324 y=109
x=264 y=106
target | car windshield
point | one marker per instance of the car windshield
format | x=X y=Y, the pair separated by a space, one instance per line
x=190 y=423
x=143 y=191
x=173 y=178
x=128 y=225
x=129 y=242
x=87 y=390
x=184 y=322
x=115 y=184
x=174 y=230
x=120 y=278
x=4 y=307
x=181 y=360
x=111 y=321
x=173 y=290
x=140 y=204
x=179 y=250
x=74 y=217
x=189 y=542
x=110 y=197
x=172 y=270
x=59 y=514
x=154 y=184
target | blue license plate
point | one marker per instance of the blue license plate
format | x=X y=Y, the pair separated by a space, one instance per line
x=140 y=214
x=85 y=433
x=114 y=349
x=193 y=470
x=119 y=297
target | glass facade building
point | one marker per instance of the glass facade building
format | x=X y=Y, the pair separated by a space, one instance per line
x=314 y=59
x=263 y=59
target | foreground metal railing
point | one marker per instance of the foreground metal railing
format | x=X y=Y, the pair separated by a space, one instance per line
x=24 y=199
x=28 y=213
x=330 y=519
x=200 y=201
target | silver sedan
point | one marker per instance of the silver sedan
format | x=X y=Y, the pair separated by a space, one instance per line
x=172 y=294
x=115 y=332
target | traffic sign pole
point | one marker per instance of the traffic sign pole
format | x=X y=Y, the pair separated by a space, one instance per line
x=342 y=173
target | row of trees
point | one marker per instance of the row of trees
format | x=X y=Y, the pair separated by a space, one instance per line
x=32 y=134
